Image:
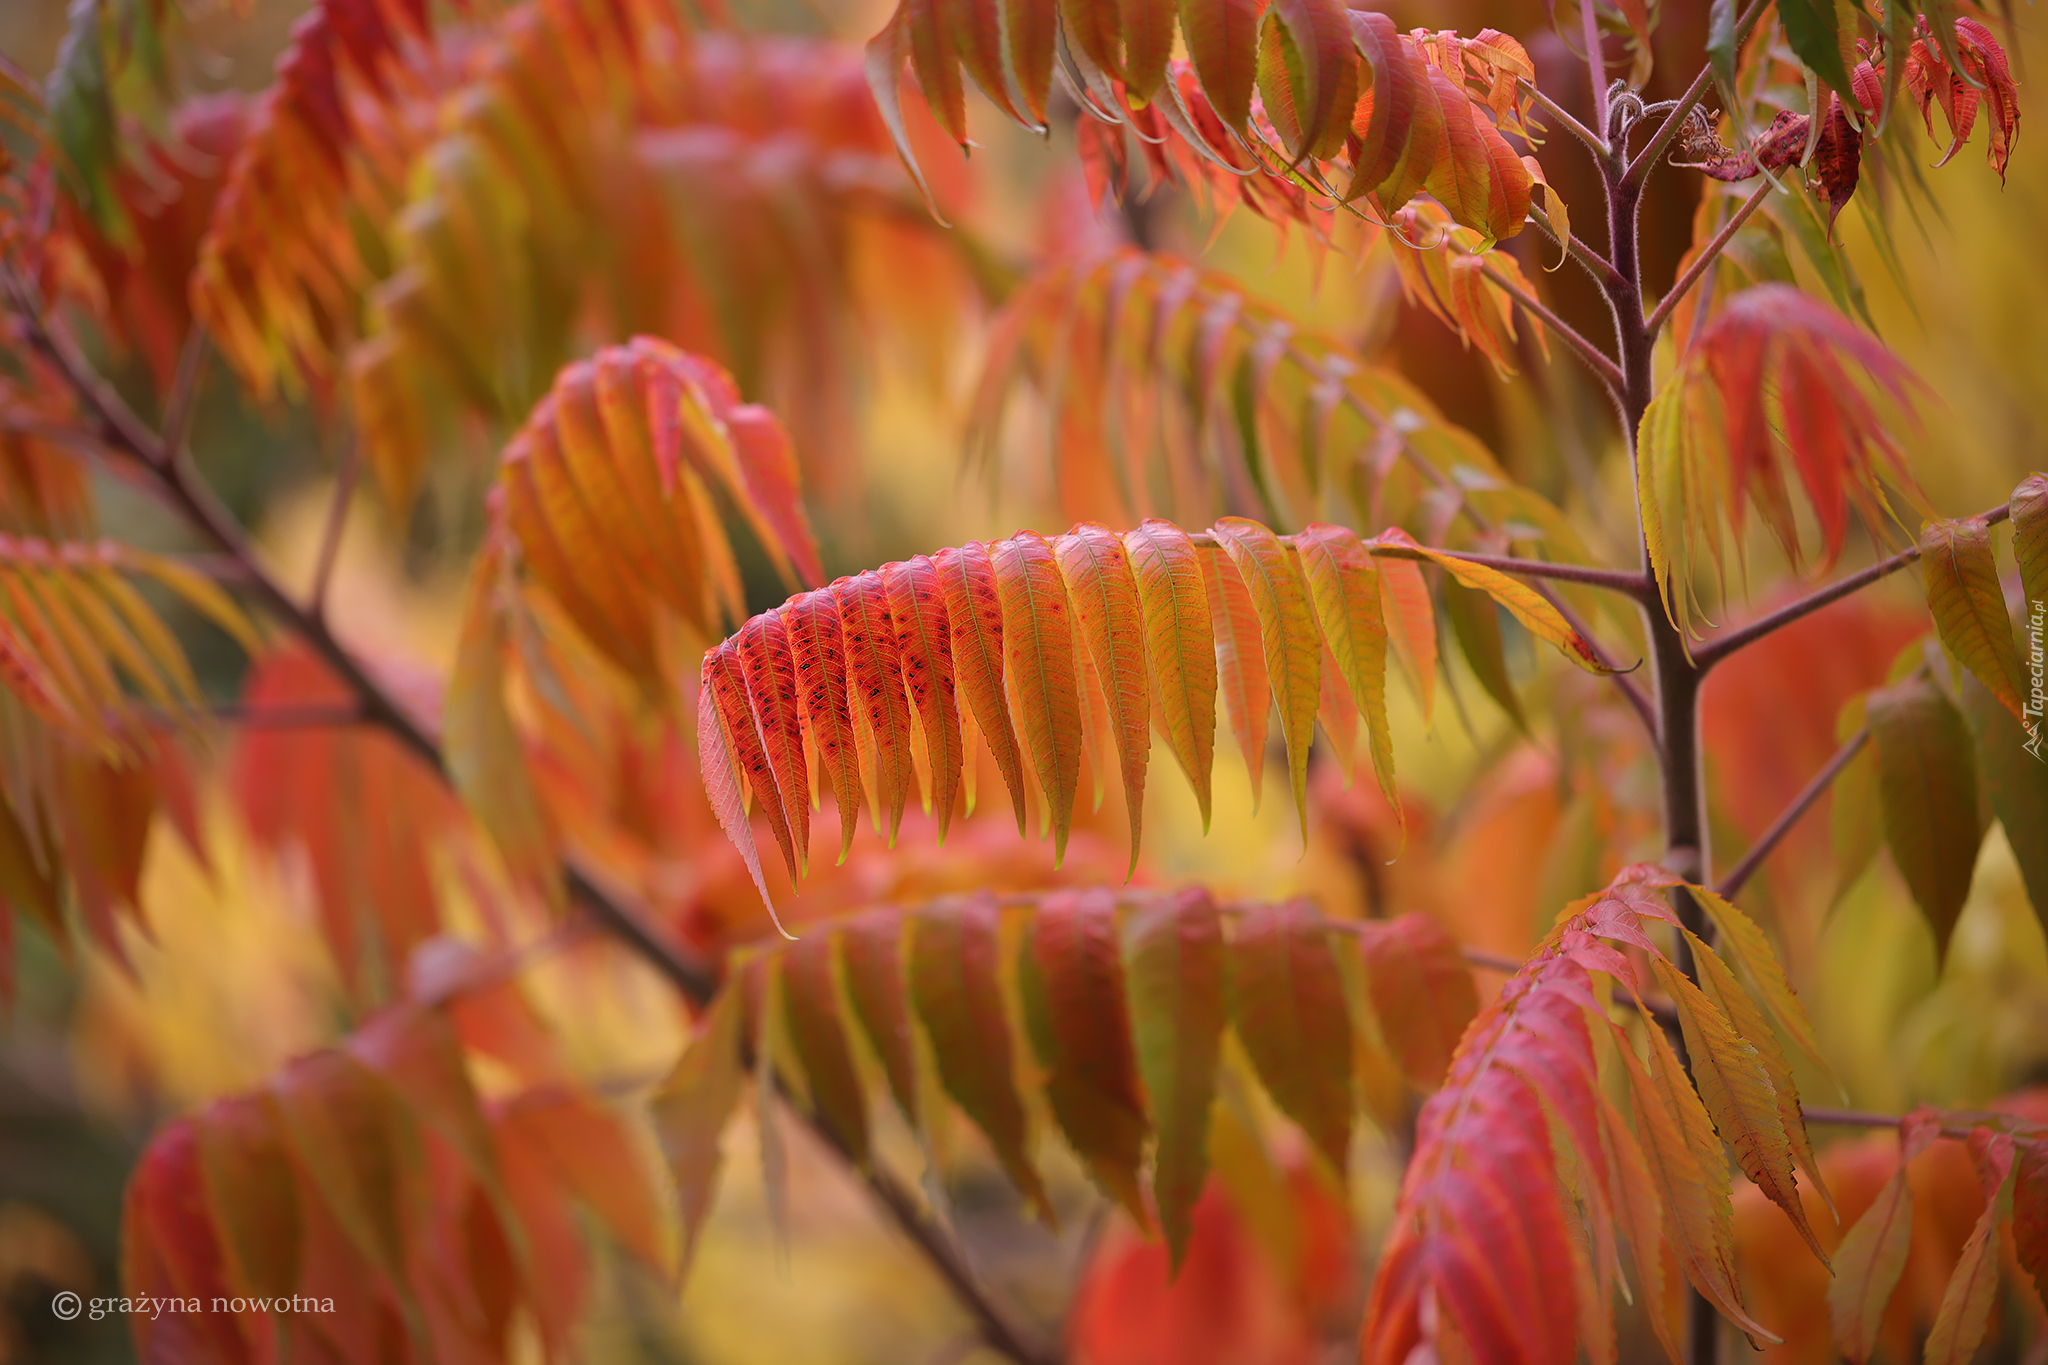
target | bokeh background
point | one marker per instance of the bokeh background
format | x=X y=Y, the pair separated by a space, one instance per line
x=233 y=978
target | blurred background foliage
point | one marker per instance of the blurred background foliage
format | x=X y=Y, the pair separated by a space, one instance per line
x=233 y=978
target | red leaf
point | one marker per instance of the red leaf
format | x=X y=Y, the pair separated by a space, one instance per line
x=1072 y=981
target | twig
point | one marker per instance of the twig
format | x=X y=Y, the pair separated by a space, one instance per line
x=330 y=535
x=1492 y=962
x=306 y=715
x=183 y=400
x=1782 y=826
x=1564 y=117
x=1707 y=257
x=1863 y=1118
x=997 y=1330
x=1721 y=646
x=1616 y=580
x=1596 y=359
x=1646 y=159
x=1637 y=699
x=694 y=979
x=1599 y=267
x=1596 y=62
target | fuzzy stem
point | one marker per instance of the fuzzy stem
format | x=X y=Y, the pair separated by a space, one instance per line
x=1707 y=258
x=1593 y=140
x=1595 y=358
x=1810 y=793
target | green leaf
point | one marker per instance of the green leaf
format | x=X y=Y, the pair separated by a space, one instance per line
x=1927 y=786
x=83 y=122
x=1721 y=42
x=1968 y=605
x=1477 y=625
x=1180 y=647
x=2015 y=770
x=1287 y=1003
x=1174 y=968
x=1812 y=30
x=810 y=1001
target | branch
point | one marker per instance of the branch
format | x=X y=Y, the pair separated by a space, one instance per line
x=307 y=716
x=997 y=1331
x=1719 y=648
x=1617 y=580
x=1596 y=60
x=1801 y=803
x=337 y=518
x=183 y=401
x=1616 y=674
x=1599 y=267
x=1707 y=258
x=1563 y=116
x=1596 y=359
x=1639 y=169
x=1862 y=1118
x=694 y=979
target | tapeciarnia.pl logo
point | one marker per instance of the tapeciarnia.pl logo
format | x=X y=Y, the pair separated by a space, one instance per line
x=2037 y=697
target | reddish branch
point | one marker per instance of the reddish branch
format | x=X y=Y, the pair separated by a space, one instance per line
x=1721 y=646
x=188 y=492
x=1707 y=258
x=1810 y=793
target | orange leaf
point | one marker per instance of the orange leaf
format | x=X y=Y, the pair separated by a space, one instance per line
x=1038 y=649
x=1111 y=623
x=1179 y=645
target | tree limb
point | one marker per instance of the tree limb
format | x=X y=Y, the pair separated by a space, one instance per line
x=1563 y=117
x=1801 y=803
x=1599 y=267
x=695 y=979
x=1721 y=646
x=1707 y=258
x=1596 y=359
